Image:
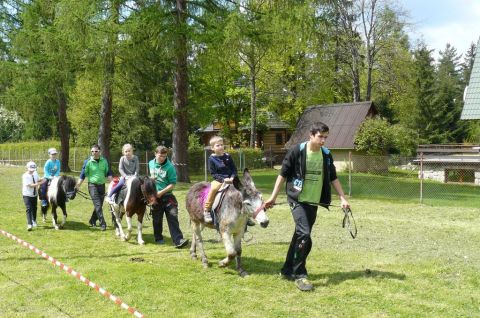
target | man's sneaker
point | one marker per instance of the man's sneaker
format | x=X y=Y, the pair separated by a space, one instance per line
x=29 y=227
x=183 y=242
x=303 y=284
x=160 y=242
x=110 y=200
x=104 y=227
x=207 y=216
x=34 y=224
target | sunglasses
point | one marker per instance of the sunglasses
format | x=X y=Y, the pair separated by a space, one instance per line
x=95 y=150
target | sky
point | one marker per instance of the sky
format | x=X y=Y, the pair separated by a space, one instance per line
x=439 y=22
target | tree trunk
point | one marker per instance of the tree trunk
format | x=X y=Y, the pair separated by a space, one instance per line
x=180 y=122
x=355 y=75
x=105 y=129
x=253 y=108
x=63 y=129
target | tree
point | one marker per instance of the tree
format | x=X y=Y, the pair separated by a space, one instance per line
x=374 y=137
x=11 y=125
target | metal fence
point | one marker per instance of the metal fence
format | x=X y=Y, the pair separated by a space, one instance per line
x=433 y=181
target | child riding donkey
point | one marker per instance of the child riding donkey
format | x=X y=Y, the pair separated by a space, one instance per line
x=222 y=169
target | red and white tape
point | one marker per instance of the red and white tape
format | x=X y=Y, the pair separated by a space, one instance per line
x=75 y=274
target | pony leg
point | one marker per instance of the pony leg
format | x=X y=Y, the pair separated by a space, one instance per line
x=229 y=247
x=139 y=233
x=54 y=216
x=44 y=213
x=129 y=228
x=64 y=220
x=118 y=222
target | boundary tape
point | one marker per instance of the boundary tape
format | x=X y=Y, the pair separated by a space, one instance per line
x=75 y=274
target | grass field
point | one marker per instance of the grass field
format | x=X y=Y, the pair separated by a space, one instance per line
x=408 y=260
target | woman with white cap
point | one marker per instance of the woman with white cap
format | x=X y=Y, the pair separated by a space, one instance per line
x=30 y=183
x=50 y=170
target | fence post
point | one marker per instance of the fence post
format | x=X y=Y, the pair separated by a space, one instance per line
x=421 y=177
x=349 y=173
x=146 y=162
x=205 y=162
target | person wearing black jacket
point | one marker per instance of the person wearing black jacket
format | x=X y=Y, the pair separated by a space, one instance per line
x=309 y=171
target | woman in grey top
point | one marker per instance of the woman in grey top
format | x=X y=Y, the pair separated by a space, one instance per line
x=128 y=166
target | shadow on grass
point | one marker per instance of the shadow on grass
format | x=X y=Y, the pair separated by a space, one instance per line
x=339 y=277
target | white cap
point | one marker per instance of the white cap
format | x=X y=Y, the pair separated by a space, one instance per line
x=52 y=151
x=31 y=166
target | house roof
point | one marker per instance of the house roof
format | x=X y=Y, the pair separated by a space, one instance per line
x=343 y=121
x=471 y=108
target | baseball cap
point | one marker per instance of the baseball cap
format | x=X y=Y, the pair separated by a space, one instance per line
x=52 y=151
x=31 y=166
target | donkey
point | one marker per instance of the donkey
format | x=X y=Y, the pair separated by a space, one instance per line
x=140 y=191
x=237 y=207
x=61 y=190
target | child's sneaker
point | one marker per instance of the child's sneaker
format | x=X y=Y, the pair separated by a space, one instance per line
x=207 y=216
x=110 y=200
x=29 y=227
x=34 y=224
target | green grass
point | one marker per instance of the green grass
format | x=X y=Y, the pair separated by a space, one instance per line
x=409 y=260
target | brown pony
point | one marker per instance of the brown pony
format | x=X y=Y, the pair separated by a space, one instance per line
x=237 y=207
x=140 y=191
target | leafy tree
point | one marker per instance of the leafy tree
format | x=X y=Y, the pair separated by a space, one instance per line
x=374 y=137
x=11 y=125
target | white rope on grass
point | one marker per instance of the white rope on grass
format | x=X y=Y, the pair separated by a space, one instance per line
x=75 y=274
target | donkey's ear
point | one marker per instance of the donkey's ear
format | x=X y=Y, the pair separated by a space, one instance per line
x=237 y=183
x=247 y=178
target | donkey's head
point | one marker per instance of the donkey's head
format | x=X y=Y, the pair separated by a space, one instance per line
x=252 y=199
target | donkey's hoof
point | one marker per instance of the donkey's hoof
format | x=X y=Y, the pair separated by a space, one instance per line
x=193 y=256
x=243 y=273
x=222 y=263
x=205 y=265
x=122 y=238
x=56 y=227
x=141 y=242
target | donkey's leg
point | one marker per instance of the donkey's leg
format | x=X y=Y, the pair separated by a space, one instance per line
x=129 y=228
x=54 y=216
x=229 y=247
x=197 y=238
x=237 y=238
x=193 y=246
x=139 y=228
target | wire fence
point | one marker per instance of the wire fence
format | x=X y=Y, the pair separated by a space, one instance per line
x=439 y=181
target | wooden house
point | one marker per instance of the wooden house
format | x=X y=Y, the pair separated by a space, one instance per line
x=272 y=140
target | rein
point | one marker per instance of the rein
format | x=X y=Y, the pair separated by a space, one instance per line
x=83 y=195
x=260 y=208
